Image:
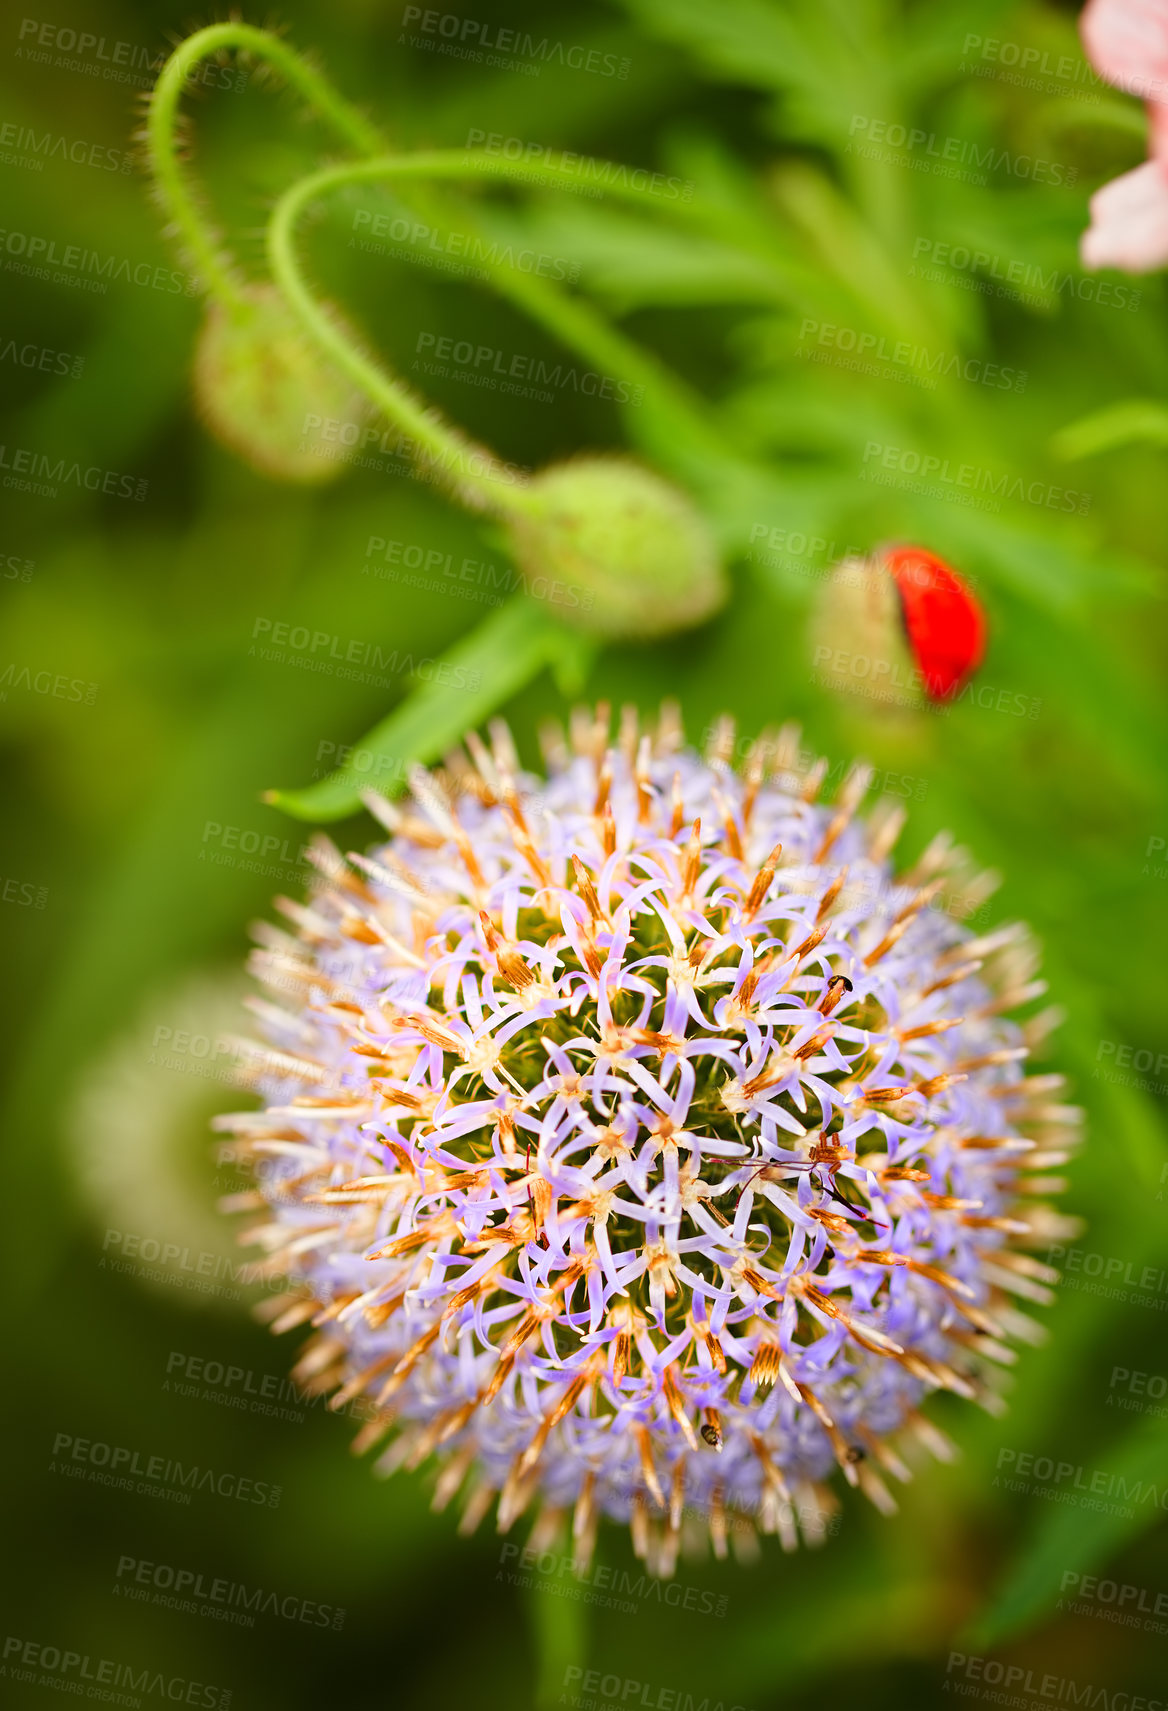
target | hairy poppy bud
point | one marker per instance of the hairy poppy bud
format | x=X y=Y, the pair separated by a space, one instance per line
x=617 y=550
x=261 y=388
x=897 y=628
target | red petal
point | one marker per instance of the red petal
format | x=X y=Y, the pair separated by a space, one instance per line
x=946 y=627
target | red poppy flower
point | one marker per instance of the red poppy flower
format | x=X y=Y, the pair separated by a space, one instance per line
x=946 y=627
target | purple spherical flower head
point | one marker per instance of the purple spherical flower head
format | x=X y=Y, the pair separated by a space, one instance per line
x=640 y=1144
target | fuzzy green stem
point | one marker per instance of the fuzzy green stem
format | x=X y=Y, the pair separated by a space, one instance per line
x=441 y=442
x=445 y=452
x=552 y=307
x=575 y=323
x=573 y=320
x=173 y=182
x=477 y=163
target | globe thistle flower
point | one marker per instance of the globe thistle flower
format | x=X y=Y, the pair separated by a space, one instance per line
x=644 y=1146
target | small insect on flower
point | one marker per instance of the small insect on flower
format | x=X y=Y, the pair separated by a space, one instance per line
x=641 y=1144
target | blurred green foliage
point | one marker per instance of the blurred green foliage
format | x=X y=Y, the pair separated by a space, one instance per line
x=808 y=238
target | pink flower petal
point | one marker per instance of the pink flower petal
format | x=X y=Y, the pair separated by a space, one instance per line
x=1127 y=42
x=1129 y=222
x=1158 y=132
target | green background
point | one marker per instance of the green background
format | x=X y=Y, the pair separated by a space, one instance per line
x=127 y=912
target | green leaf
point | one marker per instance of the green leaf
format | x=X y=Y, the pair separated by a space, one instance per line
x=559 y=1633
x=1134 y=421
x=632 y=262
x=1080 y=1539
x=812 y=55
x=499 y=658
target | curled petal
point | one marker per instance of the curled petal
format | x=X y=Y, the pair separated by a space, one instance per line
x=1127 y=42
x=1129 y=222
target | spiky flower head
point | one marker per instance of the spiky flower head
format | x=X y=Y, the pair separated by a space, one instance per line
x=642 y=1145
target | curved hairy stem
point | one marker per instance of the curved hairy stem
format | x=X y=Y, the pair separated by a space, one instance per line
x=478 y=475
x=171 y=178
x=573 y=321
x=559 y=313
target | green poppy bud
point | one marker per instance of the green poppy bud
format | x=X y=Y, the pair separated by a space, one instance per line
x=264 y=391
x=858 y=644
x=616 y=550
